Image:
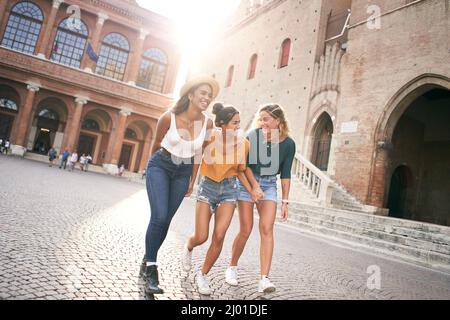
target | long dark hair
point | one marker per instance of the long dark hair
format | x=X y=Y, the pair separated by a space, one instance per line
x=223 y=114
x=183 y=103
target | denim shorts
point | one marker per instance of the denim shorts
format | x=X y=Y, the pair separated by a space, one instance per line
x=268 y=185
x=215 y=193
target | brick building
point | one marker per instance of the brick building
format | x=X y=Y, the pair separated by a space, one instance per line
x=92 y=76
x=366 y=86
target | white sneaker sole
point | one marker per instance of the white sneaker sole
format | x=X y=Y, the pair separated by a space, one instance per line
x=233 y=283
x=204 y=293
x=267 y=290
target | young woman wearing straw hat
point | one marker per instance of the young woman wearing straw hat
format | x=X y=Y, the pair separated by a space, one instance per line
x=172 y=169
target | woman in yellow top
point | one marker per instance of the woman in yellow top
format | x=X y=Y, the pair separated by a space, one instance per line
x=224 y=160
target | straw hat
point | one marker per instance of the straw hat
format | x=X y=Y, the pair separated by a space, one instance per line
x=201 y=80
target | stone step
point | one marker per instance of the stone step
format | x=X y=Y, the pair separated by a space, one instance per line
x=360 y=216
x=399 y=251
x=373 y=232
x=347 y=207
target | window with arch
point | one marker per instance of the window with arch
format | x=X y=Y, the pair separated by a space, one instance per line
x=8 y=104
x=23 y=27
x=70 y=42
x=113 y=56
x=252 y=66
x=90 y=124
x=229 y=76
x=48 y=114
x=130 y=134
x=285 y=52
x=153 y=70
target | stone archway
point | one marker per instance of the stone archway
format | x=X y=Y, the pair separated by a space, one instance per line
x=414 y=133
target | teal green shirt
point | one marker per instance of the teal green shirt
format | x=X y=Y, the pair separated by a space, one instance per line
x=267 y=159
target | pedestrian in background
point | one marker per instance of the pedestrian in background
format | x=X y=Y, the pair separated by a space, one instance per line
x=64 y=159
x=73 y=160
x=51 y=156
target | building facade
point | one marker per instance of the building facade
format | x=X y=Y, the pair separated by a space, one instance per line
x=366 y=86
x=87 y=76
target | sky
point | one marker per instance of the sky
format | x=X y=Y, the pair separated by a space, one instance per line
x=196 y=22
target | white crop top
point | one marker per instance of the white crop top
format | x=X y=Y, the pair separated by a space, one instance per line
x=179 y=147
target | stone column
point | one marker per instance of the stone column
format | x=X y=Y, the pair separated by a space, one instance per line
x=87 y=64
x=146 y=151
x=377 y=191
x=135 y=59
x=74 y=126
x=23 y=121
x=116 y=141
x=43 y=42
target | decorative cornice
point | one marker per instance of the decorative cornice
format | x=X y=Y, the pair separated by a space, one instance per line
x=122 y=11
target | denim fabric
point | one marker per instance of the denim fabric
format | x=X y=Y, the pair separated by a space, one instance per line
x=215 y=193
x=167 y=182
x=268 y=185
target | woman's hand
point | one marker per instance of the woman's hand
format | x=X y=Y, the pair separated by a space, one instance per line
x=189 y=190
x=257 y=194
x=284 y=212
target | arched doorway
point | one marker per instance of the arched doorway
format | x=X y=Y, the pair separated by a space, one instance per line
x=401 y=181
x=417 y=151
x=9 y=107
x=323 y=134
x=135 y=147
x=47 y=128
x=94 y=135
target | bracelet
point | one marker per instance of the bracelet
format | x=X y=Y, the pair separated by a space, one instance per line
x=285 y=201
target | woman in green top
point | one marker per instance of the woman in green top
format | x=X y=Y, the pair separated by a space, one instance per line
x=271 y=153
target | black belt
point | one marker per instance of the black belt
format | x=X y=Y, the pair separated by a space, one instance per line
x=164 y=151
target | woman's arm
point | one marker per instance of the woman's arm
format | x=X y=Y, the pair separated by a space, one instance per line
x=244 y=181
x=161 y=129
x=285 y=187
x=256 y=192
x=198 y=158
x=285 y=177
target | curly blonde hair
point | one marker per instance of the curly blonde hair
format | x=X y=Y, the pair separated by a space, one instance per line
x=277 y=112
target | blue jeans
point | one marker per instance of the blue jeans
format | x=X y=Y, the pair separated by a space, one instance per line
x=167 y=183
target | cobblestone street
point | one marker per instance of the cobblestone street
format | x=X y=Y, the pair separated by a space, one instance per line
x=78 y=235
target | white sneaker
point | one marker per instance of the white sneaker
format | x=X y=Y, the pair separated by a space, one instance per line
x=203 y=284
x=186 y=258
x=231 y=276
x=265 y=286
